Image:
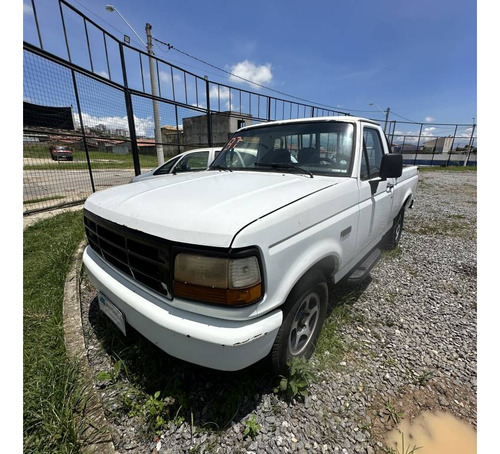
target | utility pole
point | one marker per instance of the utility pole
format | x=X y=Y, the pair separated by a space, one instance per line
x=386 y=118
x=154 y=87
x=154 y=92
x=387 y=111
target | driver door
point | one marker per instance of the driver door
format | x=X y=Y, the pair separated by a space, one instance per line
x=375 y=205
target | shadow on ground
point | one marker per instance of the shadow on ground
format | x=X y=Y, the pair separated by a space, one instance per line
x=207 y=398
x=213 y=399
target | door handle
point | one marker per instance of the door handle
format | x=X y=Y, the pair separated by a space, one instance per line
x=389 y=187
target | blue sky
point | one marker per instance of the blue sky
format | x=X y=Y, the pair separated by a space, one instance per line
x=416 y=57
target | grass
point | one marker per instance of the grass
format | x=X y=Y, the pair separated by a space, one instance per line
x=98 y=160
x=331 y=348
x=52 y=390
x=43 y=199
x=455 y=226
x=448 y=169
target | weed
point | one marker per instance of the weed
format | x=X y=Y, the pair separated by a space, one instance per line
x=424 y=378
x=251 y=427
x=155 y=411
x=393 y=253
x=300 y=376
x=114 y=374
x=392 y=413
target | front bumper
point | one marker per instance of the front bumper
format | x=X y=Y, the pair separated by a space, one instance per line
x=211 y=342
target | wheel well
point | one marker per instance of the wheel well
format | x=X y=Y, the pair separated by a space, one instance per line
x=326 y=266
x=407 y=201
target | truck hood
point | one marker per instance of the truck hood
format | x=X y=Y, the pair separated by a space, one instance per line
x=203 y=208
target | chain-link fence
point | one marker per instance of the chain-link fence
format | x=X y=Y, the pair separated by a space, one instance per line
x=91 y=112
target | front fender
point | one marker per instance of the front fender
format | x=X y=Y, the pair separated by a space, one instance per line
x=286 y=267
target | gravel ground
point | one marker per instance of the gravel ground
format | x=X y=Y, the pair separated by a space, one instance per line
x=408 y=344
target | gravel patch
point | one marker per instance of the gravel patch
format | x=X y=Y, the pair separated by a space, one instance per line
x=408 y=345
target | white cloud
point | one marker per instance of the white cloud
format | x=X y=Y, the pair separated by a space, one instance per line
x=27 y=9
x=143 y=126
x=251 y=72
x=221 y=93
x=167 y=77
x=429 y=119
x=103 y=74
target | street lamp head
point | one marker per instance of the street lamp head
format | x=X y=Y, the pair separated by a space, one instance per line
x=110 y=8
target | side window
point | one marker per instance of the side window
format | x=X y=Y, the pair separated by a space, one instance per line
x=193 y=162
x=372 y=154
x=165 y=168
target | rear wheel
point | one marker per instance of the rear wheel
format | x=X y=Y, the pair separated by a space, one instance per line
x=304 y=313
x=394 y=235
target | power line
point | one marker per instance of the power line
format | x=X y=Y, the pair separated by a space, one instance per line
x=170 y=47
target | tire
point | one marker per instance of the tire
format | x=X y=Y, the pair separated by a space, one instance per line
x=304 y=313
x=393 y=236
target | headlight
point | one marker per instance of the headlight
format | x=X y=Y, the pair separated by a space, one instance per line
x=218 y=280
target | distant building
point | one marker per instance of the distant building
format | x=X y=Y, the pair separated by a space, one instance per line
x=194 y=131
x=121 y=132
x=438 y=145
x=224 y=125
x=403 y=148
x=172 y=139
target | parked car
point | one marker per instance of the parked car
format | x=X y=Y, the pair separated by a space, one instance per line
x=189 y=161
x=225 y=267
x=60 y=153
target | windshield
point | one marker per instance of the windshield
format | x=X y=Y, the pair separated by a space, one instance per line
x=320 y=148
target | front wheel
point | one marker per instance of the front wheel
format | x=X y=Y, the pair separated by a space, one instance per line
x=304 y=313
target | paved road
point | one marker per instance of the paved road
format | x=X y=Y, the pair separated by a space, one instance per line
x=66 y=186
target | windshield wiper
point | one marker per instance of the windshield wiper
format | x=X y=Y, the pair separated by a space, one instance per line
x=219 y=167
x=284 y=166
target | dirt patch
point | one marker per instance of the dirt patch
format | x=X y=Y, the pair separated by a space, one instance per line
x=435 y=397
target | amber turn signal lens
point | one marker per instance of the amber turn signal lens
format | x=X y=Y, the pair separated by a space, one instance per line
x=228 y=297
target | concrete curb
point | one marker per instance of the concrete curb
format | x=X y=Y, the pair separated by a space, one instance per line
x=97 y=435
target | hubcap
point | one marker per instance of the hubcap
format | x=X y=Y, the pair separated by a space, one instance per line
x=304 y=324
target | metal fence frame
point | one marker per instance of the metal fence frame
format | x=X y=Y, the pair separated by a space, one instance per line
x=203 y=96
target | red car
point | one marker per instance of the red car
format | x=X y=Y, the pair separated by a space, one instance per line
x=61 y=152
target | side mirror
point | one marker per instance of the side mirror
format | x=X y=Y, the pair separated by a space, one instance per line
x=391 y=166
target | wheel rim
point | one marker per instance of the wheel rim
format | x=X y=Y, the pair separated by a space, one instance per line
x=304 y=324
x=398 y=229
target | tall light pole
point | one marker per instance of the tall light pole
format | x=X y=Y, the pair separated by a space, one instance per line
x=154 y=87
x=386 y=114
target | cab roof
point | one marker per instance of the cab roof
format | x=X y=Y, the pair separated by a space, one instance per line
x=340 y=118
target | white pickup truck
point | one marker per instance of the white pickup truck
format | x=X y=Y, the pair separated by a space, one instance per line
x=227 y=266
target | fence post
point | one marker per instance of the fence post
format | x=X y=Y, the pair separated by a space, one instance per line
x=393 y=130
x=36 y=23
x=84 y=137
x=466 y=162
x=130 y=115
x=177 y=130
x=268 y=108
x=209 y=115
x=451 y=148
x=418 y=143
